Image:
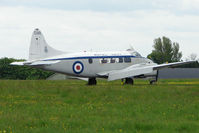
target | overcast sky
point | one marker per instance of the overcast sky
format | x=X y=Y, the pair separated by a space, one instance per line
x=98 y=25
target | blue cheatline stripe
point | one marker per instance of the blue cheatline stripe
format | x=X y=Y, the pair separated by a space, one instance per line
x=93 y=57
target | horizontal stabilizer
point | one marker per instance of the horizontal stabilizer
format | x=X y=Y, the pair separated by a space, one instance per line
x=17 y=63
x=41 y=63
x=34 y=63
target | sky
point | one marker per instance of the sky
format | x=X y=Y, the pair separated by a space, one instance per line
x=98 y=25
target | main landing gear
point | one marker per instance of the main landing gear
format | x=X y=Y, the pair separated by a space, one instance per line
x=92 y=81
x=154 y=80
x=128 y=81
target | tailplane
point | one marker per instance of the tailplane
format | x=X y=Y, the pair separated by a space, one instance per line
x=39 y=48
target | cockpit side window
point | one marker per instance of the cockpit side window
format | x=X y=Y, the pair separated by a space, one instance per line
x=136 y=54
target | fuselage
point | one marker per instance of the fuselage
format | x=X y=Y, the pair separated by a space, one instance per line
x=90 y=64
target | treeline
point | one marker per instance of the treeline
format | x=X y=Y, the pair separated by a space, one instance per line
x=20 y=72
x=192 y=65
x=166 y=51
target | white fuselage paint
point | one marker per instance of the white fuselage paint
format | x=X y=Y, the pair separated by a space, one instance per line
x=66 y=64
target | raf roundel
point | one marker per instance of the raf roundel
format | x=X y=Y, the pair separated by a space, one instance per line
x=78 y=67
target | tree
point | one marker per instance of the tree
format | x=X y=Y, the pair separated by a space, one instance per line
x=192 y=57
x=165 y=51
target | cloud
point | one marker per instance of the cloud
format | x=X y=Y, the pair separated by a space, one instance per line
x=176 y=6
x=190 y=4
x=99 y=31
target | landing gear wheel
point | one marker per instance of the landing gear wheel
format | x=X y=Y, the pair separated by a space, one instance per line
x=92 y=81
x=129 y=81
x=152 y=82
x=155 y=80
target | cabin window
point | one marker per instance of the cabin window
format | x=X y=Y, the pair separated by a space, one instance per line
x=104 y=61
x=90 y=60
x=127 y=59
x=120 y=60
x=112 y=60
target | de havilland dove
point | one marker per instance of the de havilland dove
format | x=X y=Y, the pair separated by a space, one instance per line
x=113 y=65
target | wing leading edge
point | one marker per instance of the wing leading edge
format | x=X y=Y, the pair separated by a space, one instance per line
x=136 y=70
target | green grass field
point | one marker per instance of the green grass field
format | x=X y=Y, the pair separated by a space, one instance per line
x=73 y=107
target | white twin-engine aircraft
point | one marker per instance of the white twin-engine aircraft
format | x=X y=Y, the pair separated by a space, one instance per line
x=111 y=65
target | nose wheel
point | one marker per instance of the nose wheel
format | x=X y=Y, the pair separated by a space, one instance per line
x=92 y=81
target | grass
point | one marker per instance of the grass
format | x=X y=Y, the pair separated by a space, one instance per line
x=73 y=107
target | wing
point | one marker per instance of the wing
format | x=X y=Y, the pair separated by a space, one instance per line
x=34 y=63
x=136 y=70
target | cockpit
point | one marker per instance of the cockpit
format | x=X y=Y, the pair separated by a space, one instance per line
x=134 y=53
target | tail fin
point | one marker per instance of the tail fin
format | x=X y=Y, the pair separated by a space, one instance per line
x=39 y=48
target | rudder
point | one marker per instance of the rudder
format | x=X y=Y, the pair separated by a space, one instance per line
x=39 y=48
